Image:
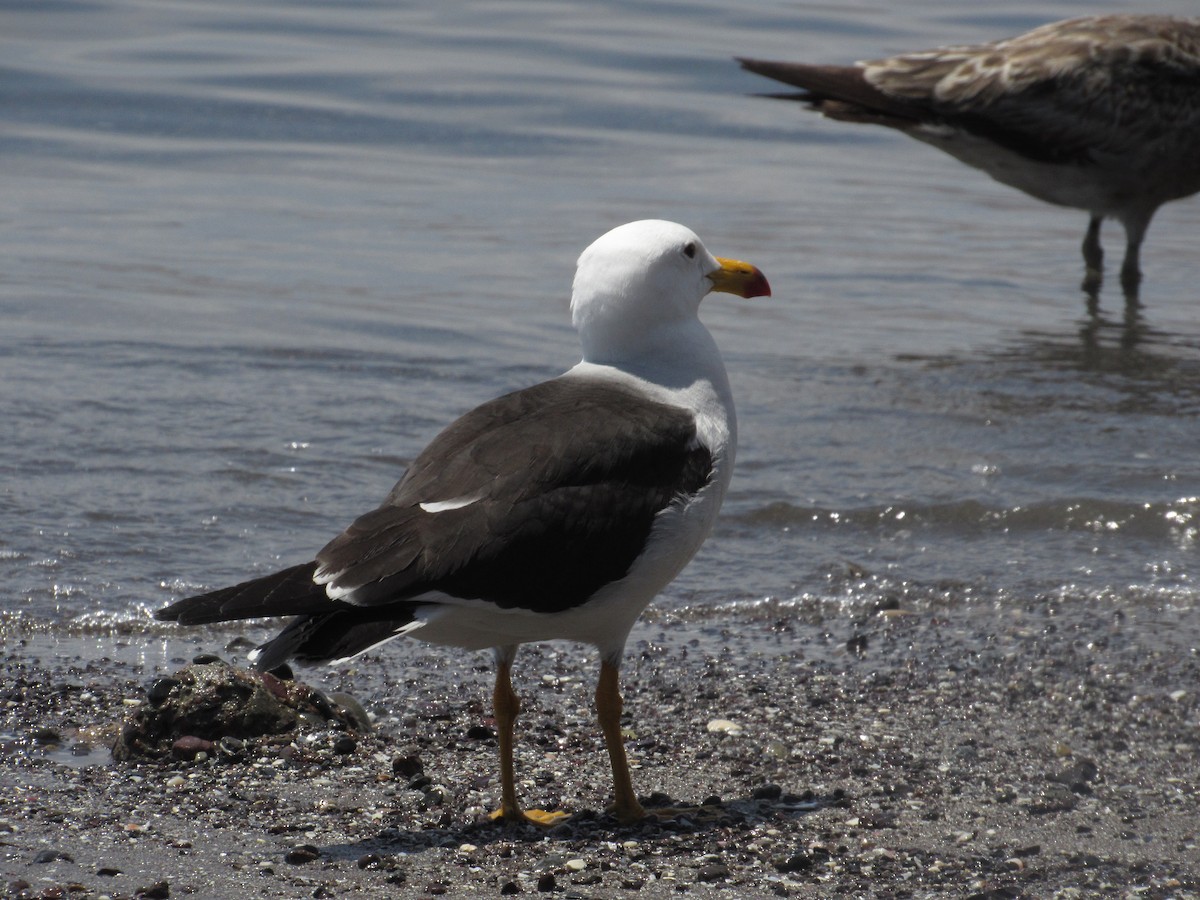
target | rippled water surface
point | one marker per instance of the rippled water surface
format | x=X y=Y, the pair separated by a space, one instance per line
x=256 y=254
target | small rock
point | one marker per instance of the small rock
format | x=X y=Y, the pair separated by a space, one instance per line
x=437 y=889
x=767 y=792
x=547 y=882
x=370 y=861
x=725 y=726
x=797 y=862
x=189 y=746
x=407 y=766
x=231 y=747
x=160 y=890
x=480 y=733
x=575 y=865
x=46 y=736
x=160 y=689
x=713 y=872
x=49 y=856
x=345 y=744
x=509 y=888
x=301 y=853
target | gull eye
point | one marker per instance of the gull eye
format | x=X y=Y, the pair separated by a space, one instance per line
x=689 y=250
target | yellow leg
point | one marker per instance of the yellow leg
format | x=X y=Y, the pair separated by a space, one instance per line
x=608 y=712
x=506 y=705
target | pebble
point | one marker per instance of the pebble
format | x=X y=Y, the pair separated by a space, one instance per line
x=725 y=726
x=710 y=872
x=190 y=747
x=49 y=856
x=767 y=792
x=160 y=689
x=407 y=765
x=575 y=865
x=301 y=853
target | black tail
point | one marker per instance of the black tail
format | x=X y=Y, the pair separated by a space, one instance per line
x=332 y=636
x=291 y=592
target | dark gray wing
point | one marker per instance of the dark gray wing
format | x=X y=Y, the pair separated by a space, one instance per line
x=565 y=480
x=560 y=484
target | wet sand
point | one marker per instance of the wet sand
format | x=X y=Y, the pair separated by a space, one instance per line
x=1045 y=750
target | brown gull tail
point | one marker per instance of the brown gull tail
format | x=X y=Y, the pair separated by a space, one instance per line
x=839 y=92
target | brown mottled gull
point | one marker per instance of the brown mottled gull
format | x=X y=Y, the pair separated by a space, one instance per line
x=1100 y=113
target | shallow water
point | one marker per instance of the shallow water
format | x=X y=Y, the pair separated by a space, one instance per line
x=257 y=254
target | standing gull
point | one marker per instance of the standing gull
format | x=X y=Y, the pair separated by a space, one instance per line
x=1099 y=113
x=555 y=512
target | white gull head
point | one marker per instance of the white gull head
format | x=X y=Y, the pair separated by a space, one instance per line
x=642 y=282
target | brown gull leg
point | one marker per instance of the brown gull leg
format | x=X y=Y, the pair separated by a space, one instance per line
x=1093 y=256
x=1131 y=273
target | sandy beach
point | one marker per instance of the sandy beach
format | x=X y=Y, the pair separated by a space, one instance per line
x=1042 y=750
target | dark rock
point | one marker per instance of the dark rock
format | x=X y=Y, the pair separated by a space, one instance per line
x=480 y=733
x=160 y=890
x=205 y=659
x=370 y=861
x=301 y=853
x=345 y=744
x=710 y=872
x=407 y=766
x=49 y=856
x=509 y=888
x=437 y=889
x=189 y=745
x=46 y=736
x=797 y=862
x=547 y=882
x=231 y=747
x=767 y=792
x=160 y=689
x=108 y=872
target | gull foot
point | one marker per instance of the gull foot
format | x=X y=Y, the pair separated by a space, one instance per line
x=541 y=817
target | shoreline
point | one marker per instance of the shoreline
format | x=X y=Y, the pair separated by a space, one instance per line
x=1048 y=750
